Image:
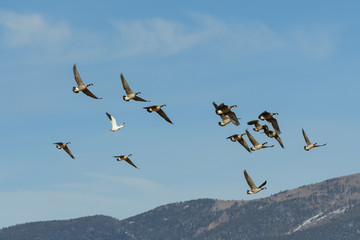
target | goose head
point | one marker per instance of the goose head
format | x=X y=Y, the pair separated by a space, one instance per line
x=233 y=106
x=275 y=114
x=130 y=155
x=76 y=90
x=137 y=93
x=90 y=85
x=264 y=143
x=68 y=143
x=164 y=105
x=263 y=188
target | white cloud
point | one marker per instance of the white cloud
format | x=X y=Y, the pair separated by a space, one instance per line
x=21 y=30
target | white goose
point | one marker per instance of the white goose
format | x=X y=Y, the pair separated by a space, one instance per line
x=115 y=127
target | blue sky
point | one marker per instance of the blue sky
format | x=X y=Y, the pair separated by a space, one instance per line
x=297 y=59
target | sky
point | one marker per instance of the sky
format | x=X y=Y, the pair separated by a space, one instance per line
x=299 y=59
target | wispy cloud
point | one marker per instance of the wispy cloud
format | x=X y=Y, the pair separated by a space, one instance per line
x=20 y=30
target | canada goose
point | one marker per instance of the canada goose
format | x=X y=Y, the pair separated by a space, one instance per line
x=126 y=158
x=227 y=117
x=81 y=86
x=115 y=127
x=269 y=117
x=158 y=109
x=222 y=108
x=130 y=94
x=253 y=188
x=240 y=139
x=257 y=146
x=272 y=134
x=309 y=144
x=257 y=125
x=61 y=145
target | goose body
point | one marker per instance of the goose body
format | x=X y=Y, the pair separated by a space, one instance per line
x=256 y=145
x=158 y=110
x=253 y=188
x=61 y=145
x=273 y=134
x=222 y=108
x=239 y=138
x=125 y=158
x=310 y=145
x=114 y=125
x=269 y=118
x=257 y=125
x=81 y=86
x=129 y=93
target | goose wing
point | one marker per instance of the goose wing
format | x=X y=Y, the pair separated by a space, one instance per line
x=233 y=118
x=77 y=76
x=251 y=138
x=69 y=152
x=254 y=122
x=274 y=124
x=164 y=116
x=112 y=119
x=90 y=94
x=130 y=162
x=306 y=137
x=277 y=137
x=244 y=144
x=263 y=184
x=136 y=98
x=58 y=143
x=125 y=85
x=249 y=180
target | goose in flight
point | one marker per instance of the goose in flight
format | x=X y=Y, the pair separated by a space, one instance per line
x=253 y=188
x=159 y=111
x=81 y=86
x=227 y=117
x=126 y=158
x=272 y=134
x=115 y=127
x=309 y=145
x=256 y=145
x=240 y=139
x=222 y=108
x=130 y=94
x=269 y=117
x=61 y=145
x=257 y=125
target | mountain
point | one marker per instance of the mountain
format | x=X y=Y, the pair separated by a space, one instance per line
x=328 y=210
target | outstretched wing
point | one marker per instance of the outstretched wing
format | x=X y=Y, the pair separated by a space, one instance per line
x=112 y=119
x=136 y=98
x=249 y=180
x=215 y=105
x=69 y=152
x=263 y=184
x=164 y=116
x=254 y=122
x=279 y=140
x=275 y=124
x=77 y=76
x=125 y=85
x=130 y=162
x=251 y=138
x=306 y=137
x=245 y=145
x=233 y=118
x=90 y=94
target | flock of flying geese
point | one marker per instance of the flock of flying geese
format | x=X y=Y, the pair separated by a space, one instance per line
x=224 y=111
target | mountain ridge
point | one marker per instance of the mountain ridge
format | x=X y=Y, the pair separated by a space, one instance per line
x=328 y=207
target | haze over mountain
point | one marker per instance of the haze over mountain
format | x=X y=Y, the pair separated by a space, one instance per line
x=326 y=210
